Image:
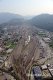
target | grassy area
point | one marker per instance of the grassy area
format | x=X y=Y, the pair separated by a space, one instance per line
x=42 y=34
x=9 y=44
x=12 y=45
x=51 y=44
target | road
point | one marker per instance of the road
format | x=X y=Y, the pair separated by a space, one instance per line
x=47 y=51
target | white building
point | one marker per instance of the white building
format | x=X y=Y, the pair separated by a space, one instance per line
x=7 y=64
x=9 y=50
x=46 y=39
x=28 y=40
x=44 y=67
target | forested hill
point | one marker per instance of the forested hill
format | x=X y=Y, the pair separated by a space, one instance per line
x=44 y=21
x=5 y=17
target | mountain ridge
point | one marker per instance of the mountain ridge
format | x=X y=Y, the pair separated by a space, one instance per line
x=5 y=17
x=44 y=21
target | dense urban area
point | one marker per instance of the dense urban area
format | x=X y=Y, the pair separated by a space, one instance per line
x=26 y=52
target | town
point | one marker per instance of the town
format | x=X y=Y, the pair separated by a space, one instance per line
x=23 y=48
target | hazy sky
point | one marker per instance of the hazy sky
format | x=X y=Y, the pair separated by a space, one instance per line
x=27 y=7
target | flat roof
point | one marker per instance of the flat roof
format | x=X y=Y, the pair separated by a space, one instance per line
x=37 y=71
